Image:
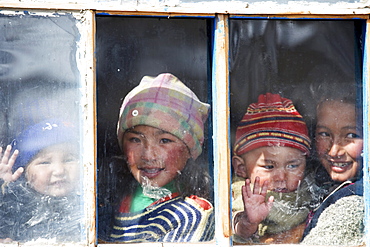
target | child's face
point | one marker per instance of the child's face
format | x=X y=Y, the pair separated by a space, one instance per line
x=154 y=154
x=338 y=139
x=54 y=171
x=282 y=167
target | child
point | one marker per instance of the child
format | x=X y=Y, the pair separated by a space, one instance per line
x=339 y=220
x=271 y=147
x=161 y=133
x=40 y=184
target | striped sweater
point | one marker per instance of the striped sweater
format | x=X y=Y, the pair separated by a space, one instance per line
x=174 y=220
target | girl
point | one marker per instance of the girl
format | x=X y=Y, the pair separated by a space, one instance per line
x=339 y=143
x=161 y=133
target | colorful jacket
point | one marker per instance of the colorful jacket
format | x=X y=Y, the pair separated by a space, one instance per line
x=169 y=220
x=27 y=215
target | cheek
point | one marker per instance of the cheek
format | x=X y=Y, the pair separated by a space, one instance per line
x=175 y=161
x=74 y=172
x=295 y=177
x=253 y=173
x=322 y=145
x=132 y=154
x=37 y=179
x=355 y=149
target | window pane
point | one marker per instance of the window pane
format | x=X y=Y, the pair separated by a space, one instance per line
x=40 y=94
x=316 y=66
x=128 y=49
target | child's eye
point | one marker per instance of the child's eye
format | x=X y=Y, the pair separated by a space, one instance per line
x=70 y=160
x=44 y=163
x=135 y=140
x=268 y=167
x=322 y=134
x=352 y=135
x=165 y=140
x=292 y=166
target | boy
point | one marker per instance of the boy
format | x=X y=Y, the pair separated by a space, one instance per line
x=40 y=197
x=271 y=147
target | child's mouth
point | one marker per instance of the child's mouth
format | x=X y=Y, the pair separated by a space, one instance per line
x=59 y=183
x=340 y=164
x=150 y=172
x=280 y=190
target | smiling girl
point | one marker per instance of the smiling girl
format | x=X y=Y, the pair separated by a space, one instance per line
x=339 y=145
x=161 y=133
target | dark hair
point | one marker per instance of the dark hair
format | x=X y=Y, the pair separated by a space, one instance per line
x=193 y=180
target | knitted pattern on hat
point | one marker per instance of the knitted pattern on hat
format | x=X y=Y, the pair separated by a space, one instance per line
x=272 y=121
x=164 y=102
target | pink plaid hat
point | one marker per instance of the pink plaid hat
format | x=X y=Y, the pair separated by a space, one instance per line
x=164 y=102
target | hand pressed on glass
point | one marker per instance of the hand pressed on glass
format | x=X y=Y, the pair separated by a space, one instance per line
x=256 y=208
x=6 y=165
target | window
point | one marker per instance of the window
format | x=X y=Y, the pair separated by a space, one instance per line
x=80 y=65
x=44 y=104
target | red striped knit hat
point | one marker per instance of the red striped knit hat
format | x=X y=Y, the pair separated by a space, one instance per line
x=164 y=102
x=272 y=121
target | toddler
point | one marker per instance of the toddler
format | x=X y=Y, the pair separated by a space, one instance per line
x=40 y=184
x=271 y=147
x=161 y=133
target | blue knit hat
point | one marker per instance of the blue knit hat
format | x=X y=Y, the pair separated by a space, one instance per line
x=42 y=135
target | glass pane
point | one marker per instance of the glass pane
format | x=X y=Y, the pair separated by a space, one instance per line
x=41 y=198
x=304 y=78
x=163 y=117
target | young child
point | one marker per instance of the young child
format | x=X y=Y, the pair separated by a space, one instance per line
x=161 y=133
x=40 y=184
x=339 y=220
x=271 y=147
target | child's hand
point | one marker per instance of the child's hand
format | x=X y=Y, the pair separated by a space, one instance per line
x=7 y=163
x=255 y=208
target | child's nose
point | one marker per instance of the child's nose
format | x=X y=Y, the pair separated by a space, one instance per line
x=150 y=152
x=58 y=168
x=280 y=175
x=336 y=149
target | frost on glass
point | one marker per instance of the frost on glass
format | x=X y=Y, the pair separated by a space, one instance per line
x=169 y=58
x=41 y=197
x=293 y=82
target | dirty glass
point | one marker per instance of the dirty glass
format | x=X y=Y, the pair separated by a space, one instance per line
x=41 y=197
x=156 y=70
x=312 y=68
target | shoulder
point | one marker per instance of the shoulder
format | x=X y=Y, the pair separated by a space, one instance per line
x=344 y=190
x=346 y=208
x=188 y=219
x=199 y=202
x=18 y=191
x=237 y=199
x=341 y=223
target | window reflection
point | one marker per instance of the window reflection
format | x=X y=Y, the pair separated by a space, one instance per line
x=41 y=198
